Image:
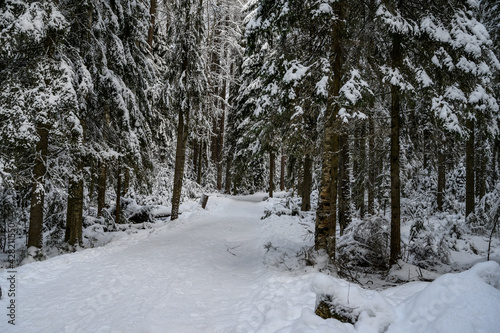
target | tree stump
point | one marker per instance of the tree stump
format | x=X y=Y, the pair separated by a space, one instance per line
x=204 y=200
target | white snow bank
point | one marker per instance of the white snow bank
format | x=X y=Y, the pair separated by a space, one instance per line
x=374 y=312
x=462 y=302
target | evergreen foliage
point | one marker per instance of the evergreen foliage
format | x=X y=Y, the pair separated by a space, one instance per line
x=388 y=108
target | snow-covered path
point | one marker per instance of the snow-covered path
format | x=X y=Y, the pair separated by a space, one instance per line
x=202 y=273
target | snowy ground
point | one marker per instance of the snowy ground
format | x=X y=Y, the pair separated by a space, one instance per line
x=225 y=270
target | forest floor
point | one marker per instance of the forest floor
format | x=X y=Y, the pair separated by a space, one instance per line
x=224 y=269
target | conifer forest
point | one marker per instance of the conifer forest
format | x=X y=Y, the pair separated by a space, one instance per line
x=370 y=126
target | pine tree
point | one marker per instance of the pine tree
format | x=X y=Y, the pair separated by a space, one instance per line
x=187 y=82
x=38 y=97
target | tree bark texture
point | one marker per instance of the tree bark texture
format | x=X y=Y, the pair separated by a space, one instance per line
x=227 y=185
x=282 y=172
x=200 y=163
x=344 y=194
x=469 y=170
x=371 y=166
x=272 y=157
x=152 y=21
x=441 y=177
x=35 y=236
x=101 y=191
x=326 y=221
x=220 y=137
x=180 y=158
x=396 y=57
x=481 y=161
x=118 y=194
x=74 y=212
x=360 y=204
x=307 y=183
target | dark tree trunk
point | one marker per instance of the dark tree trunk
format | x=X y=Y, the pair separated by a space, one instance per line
x=371 y=166
x=282 y=172
x=215 y=69
x=74 y=213
x=291 y=172
x=214 y=144
x=220 y=136
x=271 y=173
x=69 y=214
x=35 y=236
x=481 y=161
x=195 y=157
x=228 y=175
x=362 y=173
x=92 y=185
x=441 y=177
x=469 y=170
x=151 y=30
x=307 y=183
x=200 y=163
x=482 y=177
x=344 y=184
x=101 y=191
x=396 y=57
x=180 y=157
x=495 y=159
x=118 y=195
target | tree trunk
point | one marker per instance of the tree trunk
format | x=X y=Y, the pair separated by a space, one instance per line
x=494 y=161
x=326 y=219
x=371 y=166
x=103 y=168
x=220 y=142
x=306 y=184
x=35 y=236
x=92 y=185
x=282 y=172
x=227 y=184
x=469 y=170
x=441 y=177
x=69 y=213
x=481 y=160
x=271 y=173
x=200 y=163
x=214 y=143
x=344 y=184
x=118 y=194
x=482 y=176
x=180 y=157
x=101 y=192
x=362 y=173
x=195 y=157
x=151 y=30
x=74 y=212
x=396 y=57
x=291 y=172
x=215 y=70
